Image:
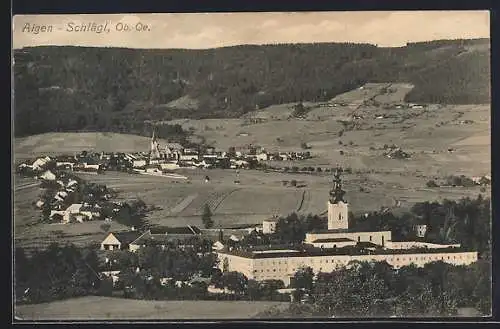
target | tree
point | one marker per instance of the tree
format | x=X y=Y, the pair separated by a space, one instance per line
x=299 y=110
x=303 y=279
x=105 y=227
x=431 y=183
x=235 y=281
x=206 y=217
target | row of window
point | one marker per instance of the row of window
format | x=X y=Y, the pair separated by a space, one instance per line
x=390 y=259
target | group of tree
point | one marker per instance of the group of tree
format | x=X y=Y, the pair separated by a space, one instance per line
x=293 y=228
x=466 y=221
x=110 y=89
x=365 y=289
x=59 y=272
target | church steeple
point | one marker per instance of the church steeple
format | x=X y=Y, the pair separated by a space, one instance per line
x=337 y=193
x=154 y=152
x=337 y=206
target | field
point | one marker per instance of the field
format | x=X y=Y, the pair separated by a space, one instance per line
x=259 y=196
x=57 y=143
x=105 y=308
x=442 y=140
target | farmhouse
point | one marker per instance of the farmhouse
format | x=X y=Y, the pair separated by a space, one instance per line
x=326 y=250
x=269 y=225
x=119 y=240
x=162 y=236
x=40 y=163
x=48 y=175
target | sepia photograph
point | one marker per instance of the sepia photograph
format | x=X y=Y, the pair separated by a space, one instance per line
x=251 y=166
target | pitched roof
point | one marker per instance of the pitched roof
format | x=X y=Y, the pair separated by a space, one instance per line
x=182 y=230
x=127 y=236
x=74 y=206
x=149 y=239
x=333 y=240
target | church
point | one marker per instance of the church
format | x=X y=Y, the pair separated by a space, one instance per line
x=337 y=246
x=338 y=232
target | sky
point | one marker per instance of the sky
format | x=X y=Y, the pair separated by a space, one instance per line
x=211 y=30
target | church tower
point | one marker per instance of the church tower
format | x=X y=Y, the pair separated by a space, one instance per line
x=337 y=206
x=154 y=152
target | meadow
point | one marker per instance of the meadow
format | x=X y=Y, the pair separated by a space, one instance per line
x=106 y=308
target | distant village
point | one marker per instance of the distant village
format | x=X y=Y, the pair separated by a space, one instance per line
x=169 y=157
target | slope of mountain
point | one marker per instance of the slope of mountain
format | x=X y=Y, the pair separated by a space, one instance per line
x=114 y=89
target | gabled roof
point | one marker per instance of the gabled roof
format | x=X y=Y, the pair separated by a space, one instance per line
x=366 y=244
x=149 y=239
x=182 y=230
x=127 y=236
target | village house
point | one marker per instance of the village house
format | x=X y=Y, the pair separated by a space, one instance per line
x=189 y=155
x=76 y=212
x=139 y=163
x=169 y=166
x=262 y=156
x=48 y=175
x=160 y=236
x=269 y=225
x=173 y=150
x=119 y=240
x=40 y=163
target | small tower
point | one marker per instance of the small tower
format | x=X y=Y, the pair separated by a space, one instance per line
x=337 y=206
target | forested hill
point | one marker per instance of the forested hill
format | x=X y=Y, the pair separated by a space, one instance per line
x=112 y=89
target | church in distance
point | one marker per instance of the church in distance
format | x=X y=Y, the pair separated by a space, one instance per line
x=337 y=246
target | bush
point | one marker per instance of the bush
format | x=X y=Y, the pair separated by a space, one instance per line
x=431 y=183
x=341 y=152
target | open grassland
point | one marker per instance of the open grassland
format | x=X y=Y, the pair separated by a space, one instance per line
x=105 y=308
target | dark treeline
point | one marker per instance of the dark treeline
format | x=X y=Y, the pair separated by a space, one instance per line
x=376 y=290
x=111 y=89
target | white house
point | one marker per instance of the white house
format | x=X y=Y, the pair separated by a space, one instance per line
x=119 y=240
x=269 y=226
x=139 y=163
x=40 y=163
x=169 y=166
x=74 y=209
x=261 y=156
x=188 y=157
x=217 y=245
x=48 y=175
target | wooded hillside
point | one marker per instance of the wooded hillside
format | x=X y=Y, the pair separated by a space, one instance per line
x=114 y=89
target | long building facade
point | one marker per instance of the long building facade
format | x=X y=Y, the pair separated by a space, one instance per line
x=324 y=251
x=281 y=265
